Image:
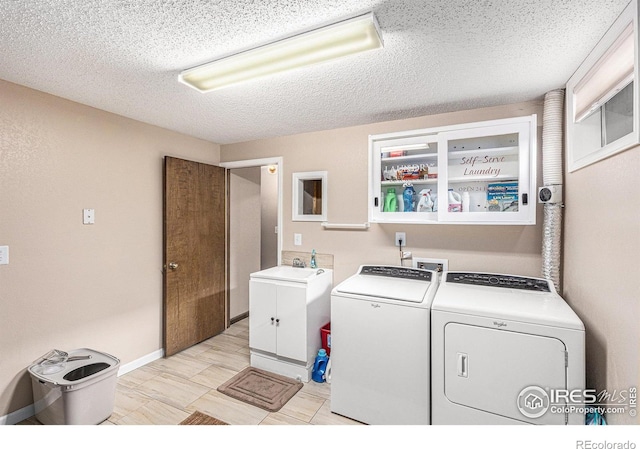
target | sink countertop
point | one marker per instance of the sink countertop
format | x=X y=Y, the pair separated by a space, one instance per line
x=288 y=273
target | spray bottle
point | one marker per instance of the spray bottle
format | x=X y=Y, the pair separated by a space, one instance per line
x=426 y=202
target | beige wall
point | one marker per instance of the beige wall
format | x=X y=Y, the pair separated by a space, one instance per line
x=602 y=271
x=343 y=154
x=244 y=236
x=268 y=218
x=71 y=285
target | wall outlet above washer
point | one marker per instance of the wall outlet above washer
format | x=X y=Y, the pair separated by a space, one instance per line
x=438 y=265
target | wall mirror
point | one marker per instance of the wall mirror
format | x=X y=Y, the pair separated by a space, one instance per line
x=310 y=196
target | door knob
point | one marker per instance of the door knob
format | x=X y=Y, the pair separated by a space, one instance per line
x=173 y=265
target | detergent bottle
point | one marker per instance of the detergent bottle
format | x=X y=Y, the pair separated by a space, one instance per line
x=390 y=204
x=407 y=197
x=455 y=201
x=320 y=366
x=426 y=202
x=466 y=201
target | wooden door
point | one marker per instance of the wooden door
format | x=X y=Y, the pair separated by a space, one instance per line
x=194 y=253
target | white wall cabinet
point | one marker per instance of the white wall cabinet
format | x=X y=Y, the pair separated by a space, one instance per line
x=285 y=318
x=473 y=173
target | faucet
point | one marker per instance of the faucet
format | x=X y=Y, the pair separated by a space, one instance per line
x=298 y=263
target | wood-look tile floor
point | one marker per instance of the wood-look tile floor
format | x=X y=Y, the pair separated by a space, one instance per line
x=168 y=390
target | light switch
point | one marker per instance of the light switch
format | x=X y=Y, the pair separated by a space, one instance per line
x=297 y=239
x=89 y=216
x=4 y=255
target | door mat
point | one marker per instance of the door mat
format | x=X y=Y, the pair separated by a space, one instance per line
x=200 y=419
x=261 y=388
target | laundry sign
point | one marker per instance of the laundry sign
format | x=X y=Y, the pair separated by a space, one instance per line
x=484 y=166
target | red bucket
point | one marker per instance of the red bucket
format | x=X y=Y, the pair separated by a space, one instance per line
x=325 y=334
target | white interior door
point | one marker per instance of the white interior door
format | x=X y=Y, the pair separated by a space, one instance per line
x=486 y=369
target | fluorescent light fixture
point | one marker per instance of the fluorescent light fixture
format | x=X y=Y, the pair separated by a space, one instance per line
x=339 y=39
x=612 y=72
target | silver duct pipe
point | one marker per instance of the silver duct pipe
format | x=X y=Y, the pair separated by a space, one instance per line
x=552 y=175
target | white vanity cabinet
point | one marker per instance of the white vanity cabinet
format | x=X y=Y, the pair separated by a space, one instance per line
x=472 y=173
x=287 y=308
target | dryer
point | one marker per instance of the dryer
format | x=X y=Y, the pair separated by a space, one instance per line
x=505 y=350
x=380 y=345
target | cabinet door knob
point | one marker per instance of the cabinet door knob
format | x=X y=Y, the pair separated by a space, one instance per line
x=272 y=319
x=278 y=320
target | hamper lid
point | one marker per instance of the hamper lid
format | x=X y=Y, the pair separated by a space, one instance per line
x=74 y=368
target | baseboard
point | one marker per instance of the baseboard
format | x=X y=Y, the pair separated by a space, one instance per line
x=18 y=415
x=124 y=369
x=240 y=317
x=29 y=410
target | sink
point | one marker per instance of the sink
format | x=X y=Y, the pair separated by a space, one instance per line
x=287 y=273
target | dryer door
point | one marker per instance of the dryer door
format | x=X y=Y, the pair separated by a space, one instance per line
x=487 y=369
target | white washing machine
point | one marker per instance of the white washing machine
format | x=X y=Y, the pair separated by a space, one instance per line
x=505 y=349
x=380 y=345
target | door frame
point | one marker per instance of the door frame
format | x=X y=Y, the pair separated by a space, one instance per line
x=248 y=163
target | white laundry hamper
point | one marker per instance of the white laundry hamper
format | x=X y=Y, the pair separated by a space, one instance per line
x=78 y=388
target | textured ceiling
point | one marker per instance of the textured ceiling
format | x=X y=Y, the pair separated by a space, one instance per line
x=439 y=55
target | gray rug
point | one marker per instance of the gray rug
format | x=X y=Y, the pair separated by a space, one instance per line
x=261 y=388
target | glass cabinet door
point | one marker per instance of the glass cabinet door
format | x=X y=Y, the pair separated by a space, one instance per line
x=406 y=188
x=485 y=175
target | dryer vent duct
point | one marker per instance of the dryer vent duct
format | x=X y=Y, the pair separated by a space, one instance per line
x=552 y=138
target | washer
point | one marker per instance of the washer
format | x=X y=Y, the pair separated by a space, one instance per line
x=380 y=345
x=500 y=344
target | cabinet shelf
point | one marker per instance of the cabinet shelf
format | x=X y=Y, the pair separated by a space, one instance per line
x=459 y=179
x=488 y=151
x=412 y=157
x=412 y=181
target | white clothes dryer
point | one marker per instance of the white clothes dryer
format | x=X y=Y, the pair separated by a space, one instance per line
x=505 y=350
x=380 y=345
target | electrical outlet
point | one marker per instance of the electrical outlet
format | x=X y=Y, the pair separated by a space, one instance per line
x=88 y=216
x=401 y=236
x=438 y=265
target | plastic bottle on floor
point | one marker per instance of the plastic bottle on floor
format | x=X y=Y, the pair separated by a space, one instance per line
x=320 y=366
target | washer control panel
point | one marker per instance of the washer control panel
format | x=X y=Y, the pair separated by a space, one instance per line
x=499 y=280
x=396 y=272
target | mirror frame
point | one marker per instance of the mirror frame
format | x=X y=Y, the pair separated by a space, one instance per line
x=298 y=190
